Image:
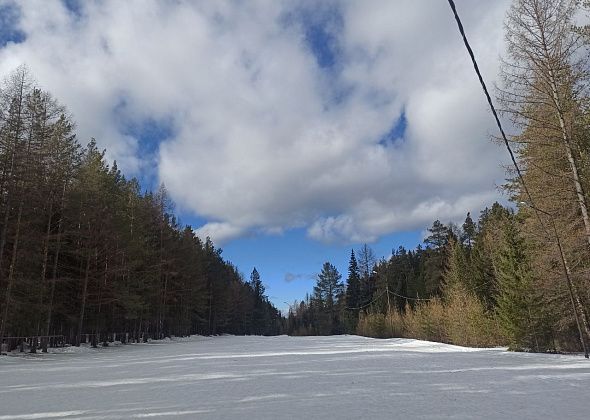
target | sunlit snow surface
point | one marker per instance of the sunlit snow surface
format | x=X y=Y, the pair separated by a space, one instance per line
x=293 y=378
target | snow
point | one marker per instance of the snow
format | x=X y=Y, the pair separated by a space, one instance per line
x=294 y=378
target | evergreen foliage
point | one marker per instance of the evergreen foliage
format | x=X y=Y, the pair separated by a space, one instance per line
x=353 y=293
x=353 y=284
x=519 y=306
x=84 y=253
x=328 y=293
x=487 y=291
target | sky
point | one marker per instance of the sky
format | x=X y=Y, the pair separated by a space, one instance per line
x=290 y=132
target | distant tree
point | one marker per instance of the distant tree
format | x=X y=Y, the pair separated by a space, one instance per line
x=256 y=284
x=486 y=242
x=366 y=262
x=353 y=283
x=435 y=256
x=438 y=236
x=469 y=232
x=353 y=294
x=327 y=292
x=458 y=271
x=259 y=301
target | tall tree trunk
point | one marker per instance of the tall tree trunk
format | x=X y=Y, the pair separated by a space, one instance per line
x=17 y=133
x=100 y=289
x=9 y=286
x=44 y=263
x=55 y=262
x=570 y=157
x=17 y=235
x=163 y=304
x=550 y=59
x=579 y=312
x=84 y=298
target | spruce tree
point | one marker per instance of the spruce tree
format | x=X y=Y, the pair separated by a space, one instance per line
x=519 y=307
x=259 y=299
x=256 y=284
x=458 y=273
x=353 y=294
x=353 y=283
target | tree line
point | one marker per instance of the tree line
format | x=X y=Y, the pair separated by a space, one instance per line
x=84 y=251
x=520 y=274
x=476 y=284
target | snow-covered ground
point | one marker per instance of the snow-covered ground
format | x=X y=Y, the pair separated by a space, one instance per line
x=293 y=378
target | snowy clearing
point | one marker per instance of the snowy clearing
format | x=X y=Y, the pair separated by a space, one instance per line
x=294 y=378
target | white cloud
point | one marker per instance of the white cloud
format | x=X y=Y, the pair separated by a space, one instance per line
x=222 y=232
x=258 y=142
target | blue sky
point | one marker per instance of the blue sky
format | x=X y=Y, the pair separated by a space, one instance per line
x=8 y=31
x=289 y=132
x=289 y=263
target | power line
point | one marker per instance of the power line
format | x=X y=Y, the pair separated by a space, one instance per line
x=489 y=98
x=368 y=304
x=409 y=298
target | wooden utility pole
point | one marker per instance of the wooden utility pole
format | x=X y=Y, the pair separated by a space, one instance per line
x=388 y=318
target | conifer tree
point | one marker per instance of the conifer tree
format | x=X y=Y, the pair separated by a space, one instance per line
x=353 y=291
x=83 y=253
x=259 y=299
x=438 y=237
x=434 y=257
x=487 y=241
x=327 y=292
x=519 y=307
x=457 y=273
x=469 y=232
x=256 y=284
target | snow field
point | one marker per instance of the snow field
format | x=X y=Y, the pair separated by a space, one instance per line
x=344 y=377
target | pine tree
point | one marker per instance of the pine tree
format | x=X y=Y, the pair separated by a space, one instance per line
x=469 y=232
x=438 y=237
x=434 y=257
x=327 y=291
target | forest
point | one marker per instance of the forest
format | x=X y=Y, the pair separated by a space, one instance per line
x=85 y=254
x=519 y=275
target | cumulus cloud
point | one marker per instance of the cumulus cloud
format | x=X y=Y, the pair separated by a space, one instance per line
x=222 y=232
x=278 y=113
